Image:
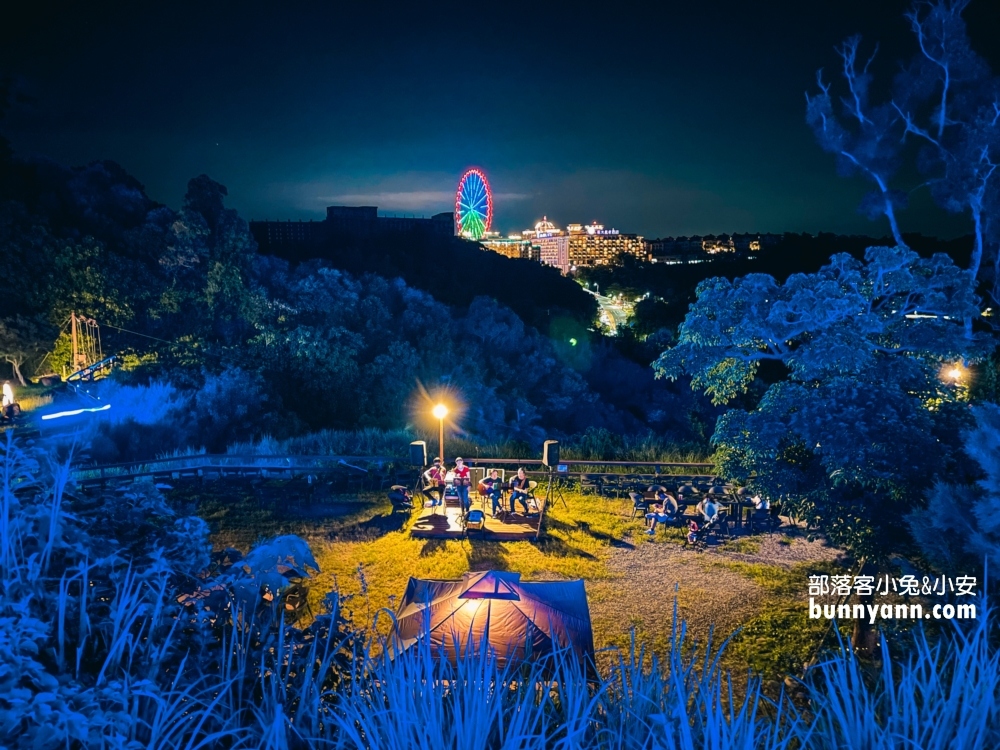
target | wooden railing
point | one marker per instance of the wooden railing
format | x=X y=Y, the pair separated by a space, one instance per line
x=225 y=464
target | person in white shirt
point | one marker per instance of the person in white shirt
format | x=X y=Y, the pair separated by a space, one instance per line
x=709 y=509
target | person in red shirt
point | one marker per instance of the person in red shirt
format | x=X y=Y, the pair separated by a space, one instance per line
x=462 y=481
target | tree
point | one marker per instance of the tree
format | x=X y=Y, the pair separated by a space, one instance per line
x=947 y=99
x=860 y=418
x=864 y=136
x=22 y=340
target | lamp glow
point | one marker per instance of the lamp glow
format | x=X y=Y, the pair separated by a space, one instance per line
x=440 y=411
x=954 y=373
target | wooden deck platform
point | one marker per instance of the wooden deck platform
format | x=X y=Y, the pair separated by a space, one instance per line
x=446 y=523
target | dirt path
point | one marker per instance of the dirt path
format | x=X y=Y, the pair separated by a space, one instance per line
x=647 y=578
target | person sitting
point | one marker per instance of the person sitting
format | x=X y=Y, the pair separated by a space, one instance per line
x=493 y=489
x=663 y=512
x=692 y=536
x=519 y=491
x=8 y=410
x=708 y=508
x=462 y=481
x=400 y=497
x=434 y=483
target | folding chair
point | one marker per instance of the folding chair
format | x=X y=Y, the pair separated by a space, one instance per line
x=532 y=500
x=639 y=504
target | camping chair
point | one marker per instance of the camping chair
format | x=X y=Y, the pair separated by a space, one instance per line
x=532 y=500
x=589 y=483
x=400 y=498
x=639 y=504
x=673 y=512
x=612 y=485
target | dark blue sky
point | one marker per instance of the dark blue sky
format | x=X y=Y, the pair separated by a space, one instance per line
x=677 y=119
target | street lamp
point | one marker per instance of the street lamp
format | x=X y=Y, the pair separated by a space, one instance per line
x=440 y=411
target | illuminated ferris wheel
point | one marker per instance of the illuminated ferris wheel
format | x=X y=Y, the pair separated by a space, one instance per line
x=473 y=205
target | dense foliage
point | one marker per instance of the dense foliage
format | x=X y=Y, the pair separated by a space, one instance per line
x=861 y=422
x=455 y=272
x=960 y=526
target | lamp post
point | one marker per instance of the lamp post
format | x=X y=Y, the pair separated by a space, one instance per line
x=440 y=412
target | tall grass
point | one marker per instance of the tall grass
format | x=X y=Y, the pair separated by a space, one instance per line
x=31 y=402
x=367 y=442
x=96 y=652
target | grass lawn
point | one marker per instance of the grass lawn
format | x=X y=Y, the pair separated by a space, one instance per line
x=32 y=397
x=366 y=553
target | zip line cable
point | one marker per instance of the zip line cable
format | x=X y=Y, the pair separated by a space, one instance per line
x=136 y=333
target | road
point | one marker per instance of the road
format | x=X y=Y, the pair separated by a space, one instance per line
x=612 y=315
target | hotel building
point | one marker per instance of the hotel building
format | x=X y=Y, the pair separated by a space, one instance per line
x=593 y=245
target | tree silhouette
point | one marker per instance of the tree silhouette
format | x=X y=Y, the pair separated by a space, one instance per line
x=864 y=136
x=947 y=100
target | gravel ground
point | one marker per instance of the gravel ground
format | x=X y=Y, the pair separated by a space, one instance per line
x=648 y=576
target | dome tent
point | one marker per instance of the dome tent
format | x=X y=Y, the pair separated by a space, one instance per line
x=517 y=620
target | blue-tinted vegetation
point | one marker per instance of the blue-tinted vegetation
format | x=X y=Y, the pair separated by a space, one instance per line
x=119 y=628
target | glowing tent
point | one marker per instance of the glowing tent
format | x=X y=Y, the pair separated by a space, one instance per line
x=518 y=621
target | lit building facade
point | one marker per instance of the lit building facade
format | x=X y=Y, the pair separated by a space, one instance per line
x=552 y=243
x=593 y=245
x=714 y=245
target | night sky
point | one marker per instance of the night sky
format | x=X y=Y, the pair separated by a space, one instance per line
x=658 y=118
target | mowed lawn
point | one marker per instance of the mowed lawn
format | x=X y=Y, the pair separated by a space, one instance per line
x=365 y=552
